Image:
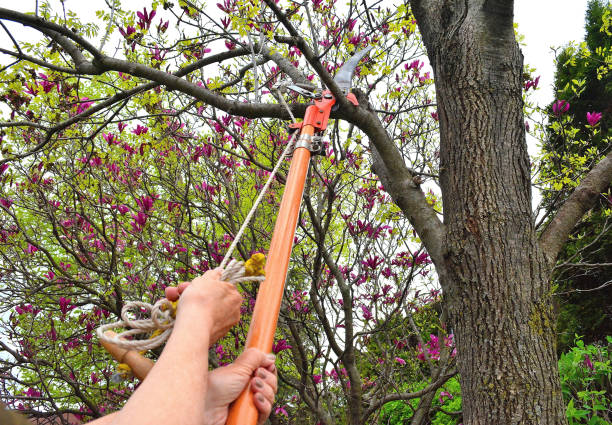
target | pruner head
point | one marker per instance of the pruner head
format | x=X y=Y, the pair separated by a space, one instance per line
x=344 y=76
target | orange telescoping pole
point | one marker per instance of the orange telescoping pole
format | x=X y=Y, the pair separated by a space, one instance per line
x=270 y=295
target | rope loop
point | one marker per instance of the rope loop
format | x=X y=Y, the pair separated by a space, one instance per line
x=161 y=314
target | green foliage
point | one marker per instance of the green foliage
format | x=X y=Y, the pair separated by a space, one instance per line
x=586 y=379
x=573 y=146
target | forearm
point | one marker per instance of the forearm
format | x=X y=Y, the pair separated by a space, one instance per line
x=175 y=389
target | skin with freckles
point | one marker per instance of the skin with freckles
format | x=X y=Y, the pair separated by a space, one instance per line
x=179 y=388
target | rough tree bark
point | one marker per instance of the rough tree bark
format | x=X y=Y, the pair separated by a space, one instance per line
x=497 y=284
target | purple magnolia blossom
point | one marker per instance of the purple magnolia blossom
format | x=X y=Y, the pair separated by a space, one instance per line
x=145 y=18
x=400 y=361
x=145 y=203
x=443 y=395
x=316 y=379
x=367 y=313
x=587 y=362
x=593 y=118
x=65 y=305
x=532 y=84
x=140 y=130
x=280 y=345
x=3 y=168
x=280 y=410
x=6 y=203
x=140 y=219
x=129 y=30
x=31 y=249
x=162 y=26
x=83 y=105
x=560 y=107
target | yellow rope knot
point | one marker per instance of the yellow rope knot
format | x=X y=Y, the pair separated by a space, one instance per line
x=254 y=266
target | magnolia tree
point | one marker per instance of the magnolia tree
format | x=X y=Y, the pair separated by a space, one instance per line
x=116 y=185
x=129 y=168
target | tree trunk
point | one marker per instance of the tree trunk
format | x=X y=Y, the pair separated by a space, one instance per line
x=497 y=290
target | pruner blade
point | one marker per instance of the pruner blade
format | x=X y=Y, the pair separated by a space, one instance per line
x=344 y=76
x=303 y=92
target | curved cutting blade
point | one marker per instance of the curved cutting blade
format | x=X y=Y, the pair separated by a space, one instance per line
x=344 y=76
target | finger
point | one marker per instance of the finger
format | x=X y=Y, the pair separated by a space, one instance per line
x=263 y=406
x=258 y=386
x=250 y=360
x=268 y=361
x=172 y=293
x=268 y=377
x=182 y=286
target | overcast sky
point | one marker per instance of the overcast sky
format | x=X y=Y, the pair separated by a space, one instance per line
x=546 y=24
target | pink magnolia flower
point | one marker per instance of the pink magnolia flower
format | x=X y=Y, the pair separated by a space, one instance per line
x=6 y=203
x=443 y=395
x=65 y=305
x=532 y=84
x=129 y=30
x=83 y=105
x=3 y=168
x=280 y=345
x=316 y=379
x=31 y=249
x=145 y=203
x=587 y=362
x=280 y=410
x=367 y=313
x=140 y=130
x=145 y=18
x=593 y=118
x=560 y=107
x=400 y=361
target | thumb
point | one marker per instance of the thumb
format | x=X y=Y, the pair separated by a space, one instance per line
x=250 y=360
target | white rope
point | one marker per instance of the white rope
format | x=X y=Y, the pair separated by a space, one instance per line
x=161 y=313
x=161 y=316
x=249 y=216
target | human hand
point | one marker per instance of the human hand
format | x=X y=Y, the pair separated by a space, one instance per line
x=219 y=301
x=253 y=368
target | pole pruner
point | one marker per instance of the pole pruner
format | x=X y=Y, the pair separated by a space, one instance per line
x=268 y=302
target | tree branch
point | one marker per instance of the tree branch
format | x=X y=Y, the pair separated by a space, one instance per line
x=578 y=203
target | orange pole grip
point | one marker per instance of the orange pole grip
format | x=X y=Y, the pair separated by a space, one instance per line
x=270 y=295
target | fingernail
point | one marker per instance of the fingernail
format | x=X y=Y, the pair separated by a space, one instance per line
x=258 y=383
x=271 y=357
x=261 y=373
x=260 y=398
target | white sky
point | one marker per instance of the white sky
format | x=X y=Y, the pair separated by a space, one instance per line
x=546 y=24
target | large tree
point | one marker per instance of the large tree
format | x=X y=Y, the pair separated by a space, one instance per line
x=492 y=265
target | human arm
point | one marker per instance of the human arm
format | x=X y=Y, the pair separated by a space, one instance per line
x=175 y=389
